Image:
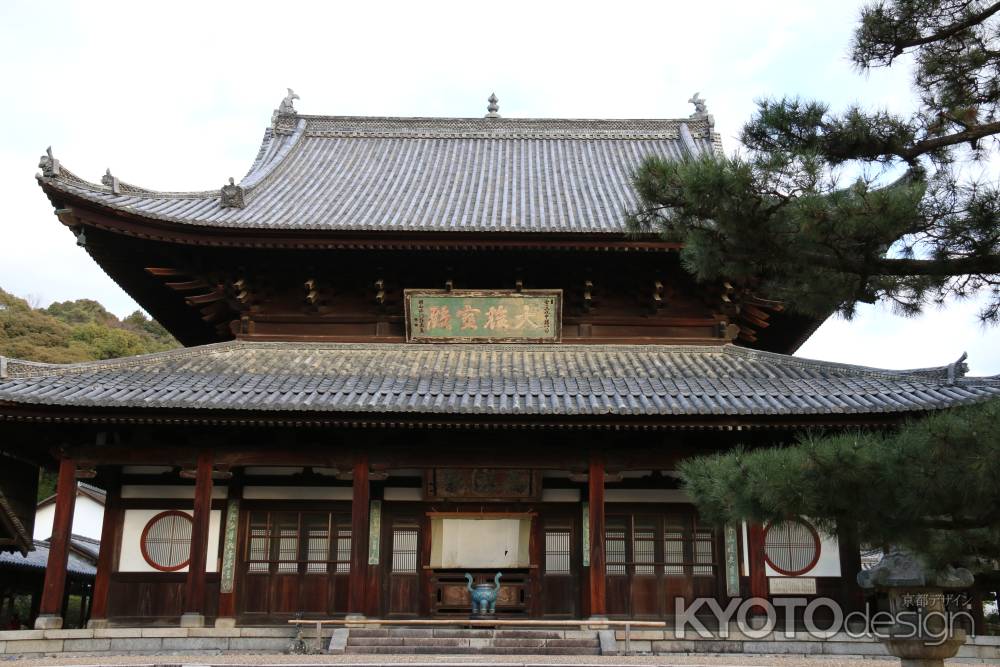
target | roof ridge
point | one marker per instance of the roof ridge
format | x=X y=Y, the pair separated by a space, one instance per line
x=21 y=368
x=921 y=374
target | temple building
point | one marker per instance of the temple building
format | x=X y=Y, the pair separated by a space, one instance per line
x=419 y=348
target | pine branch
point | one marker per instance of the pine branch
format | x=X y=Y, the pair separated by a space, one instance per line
x=950 y=31
x=972 y=134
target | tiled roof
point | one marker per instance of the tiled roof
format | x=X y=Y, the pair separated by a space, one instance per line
x=38 y=557
x=425 y=174
x=560 y=380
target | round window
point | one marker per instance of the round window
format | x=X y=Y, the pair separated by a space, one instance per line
x=791 y=547
x=166 y=541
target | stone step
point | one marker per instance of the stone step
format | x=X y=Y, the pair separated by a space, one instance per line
x=469 y=650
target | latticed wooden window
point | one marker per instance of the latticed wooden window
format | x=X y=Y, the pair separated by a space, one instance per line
x=166 y=541
x=317 y=532
x=404 y=549
x=285 y=543
x=614 y=549
x=644 y=546
x=343 y=550
x=791 y=547
x=297 y=542
x=673 y=551
x=557 y=550
x=704 y=553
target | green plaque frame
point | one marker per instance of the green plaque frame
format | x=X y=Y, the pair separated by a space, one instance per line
x=483 y=316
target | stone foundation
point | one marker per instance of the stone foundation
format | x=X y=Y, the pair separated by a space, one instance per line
x=278 y=640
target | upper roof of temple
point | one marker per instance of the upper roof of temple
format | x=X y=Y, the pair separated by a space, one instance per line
x=350 y=173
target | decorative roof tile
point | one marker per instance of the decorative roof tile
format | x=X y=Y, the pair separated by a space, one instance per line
x=567 y=380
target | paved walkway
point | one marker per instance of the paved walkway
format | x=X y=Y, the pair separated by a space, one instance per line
x=451 y=661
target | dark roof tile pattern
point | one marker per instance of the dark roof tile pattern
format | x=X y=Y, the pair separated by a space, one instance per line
x=338 y=173
x=458 y=379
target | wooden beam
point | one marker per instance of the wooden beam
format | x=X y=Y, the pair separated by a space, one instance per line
x=194 y=587
x=359 y=537
x=54 y=587
x=598 y=566
x=165 y=272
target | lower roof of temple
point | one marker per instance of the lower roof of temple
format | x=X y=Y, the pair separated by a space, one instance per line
x=488 y=380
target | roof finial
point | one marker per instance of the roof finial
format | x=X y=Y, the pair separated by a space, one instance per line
x=493 y=107
x=48 y=164
x=231 y=195
x=700 y=108
x=287 y=106
x=111 y=182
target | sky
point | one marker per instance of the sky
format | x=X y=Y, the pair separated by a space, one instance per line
x=176 y=96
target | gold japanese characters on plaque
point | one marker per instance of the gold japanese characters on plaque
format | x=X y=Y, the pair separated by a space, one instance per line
x=483 y=316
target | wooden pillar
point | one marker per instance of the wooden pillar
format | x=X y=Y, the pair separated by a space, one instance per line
x=359 y=538
x=62 y=527
x=598 y=568
x=850 y=566
x=755 y=552
x=106 y=556
x=194 y=588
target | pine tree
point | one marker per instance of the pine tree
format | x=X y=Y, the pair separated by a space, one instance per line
x=930 y=486
x=827 y=209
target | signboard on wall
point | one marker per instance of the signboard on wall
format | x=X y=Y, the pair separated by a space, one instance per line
x=792 y=585
x=483 y=316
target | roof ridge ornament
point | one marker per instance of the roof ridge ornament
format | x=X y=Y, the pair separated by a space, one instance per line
x=493 y=107
x=111 y=182
x=958 y=368
x=48 y=164
x=701 y=109
x=231 y=195
x=287 y=106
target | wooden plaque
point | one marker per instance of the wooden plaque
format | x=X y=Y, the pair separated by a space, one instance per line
x=486 y=484
x=483 y=316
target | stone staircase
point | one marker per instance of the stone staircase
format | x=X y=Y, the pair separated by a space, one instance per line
x=466 y=641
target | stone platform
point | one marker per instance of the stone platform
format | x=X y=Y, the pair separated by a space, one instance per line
x=282 y=643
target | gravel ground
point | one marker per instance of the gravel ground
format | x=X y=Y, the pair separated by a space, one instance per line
x=437 y=661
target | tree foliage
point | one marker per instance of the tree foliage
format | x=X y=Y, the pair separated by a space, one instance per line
x=930 y=486
x=827 y=209
x=73 y=331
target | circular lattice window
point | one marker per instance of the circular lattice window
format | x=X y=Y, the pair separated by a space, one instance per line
x=791 y=547
x=166 y=541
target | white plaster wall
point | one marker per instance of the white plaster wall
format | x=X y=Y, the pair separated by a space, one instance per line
x=561 y=495
x=130 y=559
x=297 y=492
x=646 y=496
x=398 y=493
x=88 y=518
x=167 y=491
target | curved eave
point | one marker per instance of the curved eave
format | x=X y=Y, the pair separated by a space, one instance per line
x=73 y=209
x=17 y=412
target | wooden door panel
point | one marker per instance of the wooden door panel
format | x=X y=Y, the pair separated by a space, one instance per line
x=403 y=594
x=284 y=594
x=314 y=594
x=618 y=595
x=559 y=596
x=645 y=598
x=255 y=593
